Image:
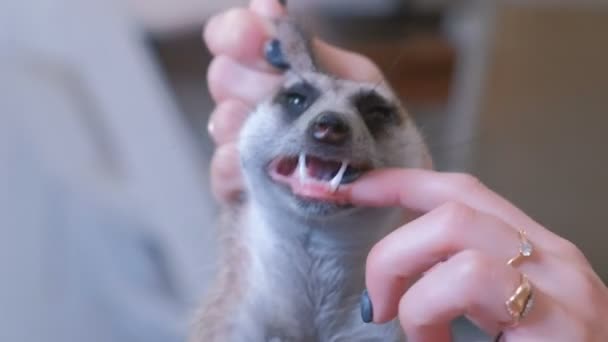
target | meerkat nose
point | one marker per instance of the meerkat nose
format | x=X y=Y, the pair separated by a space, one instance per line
x=337 y=180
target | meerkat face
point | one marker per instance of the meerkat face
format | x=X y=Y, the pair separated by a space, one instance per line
x=317 y=134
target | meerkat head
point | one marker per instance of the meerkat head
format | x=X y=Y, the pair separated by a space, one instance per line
x=318 y=133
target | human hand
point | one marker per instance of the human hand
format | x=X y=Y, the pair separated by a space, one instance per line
x=464 y=239
x=452 y=261
x=239 y=77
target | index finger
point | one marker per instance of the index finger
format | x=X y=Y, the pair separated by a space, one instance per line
x=425 y=190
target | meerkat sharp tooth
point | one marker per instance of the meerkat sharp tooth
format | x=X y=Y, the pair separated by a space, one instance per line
x=335 y=182
x=302 y=173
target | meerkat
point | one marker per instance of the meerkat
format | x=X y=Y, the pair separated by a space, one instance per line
x=293 y=257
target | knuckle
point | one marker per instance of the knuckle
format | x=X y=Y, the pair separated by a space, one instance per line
x=579 y=330
x=464 y=182
x=577 y=327
x=226 y=120
x=409 y=315
x=454 y=217
x=590 y=301
x=473 y=267
x=571 y=251
x=214 y=78
x=224 y=162
x=378 y=259
x=586 y=284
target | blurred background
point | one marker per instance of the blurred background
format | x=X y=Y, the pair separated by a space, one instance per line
x=105 y=210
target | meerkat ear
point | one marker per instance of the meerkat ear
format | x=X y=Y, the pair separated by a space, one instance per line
x=291 y=50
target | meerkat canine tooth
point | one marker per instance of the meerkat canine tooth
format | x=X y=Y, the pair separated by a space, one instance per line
x=302 y=173
x=335 y=182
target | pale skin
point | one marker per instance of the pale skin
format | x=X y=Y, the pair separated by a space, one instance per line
x=462 y=238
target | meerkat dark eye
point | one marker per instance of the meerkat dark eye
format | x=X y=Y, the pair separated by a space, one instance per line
x=376 y=111
x=378 y=114
x=296 y=99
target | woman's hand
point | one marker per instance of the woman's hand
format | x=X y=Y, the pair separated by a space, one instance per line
x=449 y=262
x=452 y=261
x=239 y=77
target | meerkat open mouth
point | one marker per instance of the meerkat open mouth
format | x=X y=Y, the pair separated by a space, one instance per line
x=314 y=177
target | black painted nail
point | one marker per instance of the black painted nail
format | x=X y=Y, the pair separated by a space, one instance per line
x=283 y=2
x=367 y=310
x=274 y=55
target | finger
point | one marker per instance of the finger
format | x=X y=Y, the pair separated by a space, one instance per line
x=226 y=121
x=424 y=190
x=345 y=64
x=269 y=8
x=471 y=284
x=398 y=259
x=240 y=34
x=230 y=80
x=549 y=320
x=226 y=180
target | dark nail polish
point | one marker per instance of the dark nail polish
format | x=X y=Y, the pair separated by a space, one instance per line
x=283 y=2
x=367 y=310
x=274 y=55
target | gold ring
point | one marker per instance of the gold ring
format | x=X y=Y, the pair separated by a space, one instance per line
x=521 y=302
x=525 y=249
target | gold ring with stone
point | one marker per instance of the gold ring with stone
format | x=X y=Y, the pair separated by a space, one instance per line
x=525 y=249
x=521 y=302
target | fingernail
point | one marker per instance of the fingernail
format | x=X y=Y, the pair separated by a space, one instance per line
x=367 y=310
x=283 y=2
x=274 y=55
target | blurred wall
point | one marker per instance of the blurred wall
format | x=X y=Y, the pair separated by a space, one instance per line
x=544 y=121
x=175 y=16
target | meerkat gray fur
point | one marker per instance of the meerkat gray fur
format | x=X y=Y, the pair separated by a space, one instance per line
x=293 y=266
